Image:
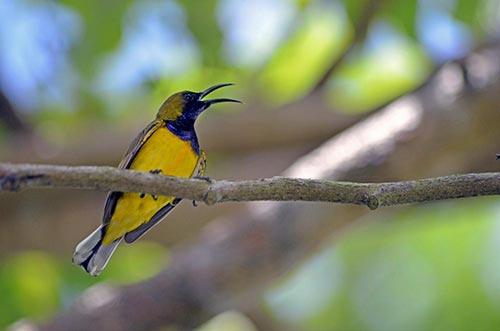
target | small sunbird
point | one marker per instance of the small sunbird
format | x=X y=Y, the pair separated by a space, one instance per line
x=167 y=146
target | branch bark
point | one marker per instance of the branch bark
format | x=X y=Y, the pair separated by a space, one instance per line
x=14 y=177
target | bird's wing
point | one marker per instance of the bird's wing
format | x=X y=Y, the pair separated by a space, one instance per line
x=125 y=163
x=137 y=144
x=133 y=235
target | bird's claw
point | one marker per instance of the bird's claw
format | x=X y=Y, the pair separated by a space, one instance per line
x=205 y=178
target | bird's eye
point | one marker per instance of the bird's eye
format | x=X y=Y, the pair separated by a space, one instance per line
x=189 y=97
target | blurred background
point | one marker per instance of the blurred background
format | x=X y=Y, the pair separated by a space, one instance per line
x=80 y=79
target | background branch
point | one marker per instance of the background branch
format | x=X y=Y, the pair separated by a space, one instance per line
x=360 y=30
x=10 y=117
x=14 y=177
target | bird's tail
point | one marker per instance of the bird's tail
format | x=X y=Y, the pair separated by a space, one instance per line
x=92 y=255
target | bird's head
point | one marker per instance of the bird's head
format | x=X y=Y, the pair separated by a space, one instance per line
x=188 y=105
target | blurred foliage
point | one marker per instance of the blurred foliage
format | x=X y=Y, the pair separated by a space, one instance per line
x=428 y=268
x=36 y=284
x=228 y=321
x=109 y=56
x=378 y=73
x=403 y=15
x=300 y=62
x=69 y=64
x=101 y=32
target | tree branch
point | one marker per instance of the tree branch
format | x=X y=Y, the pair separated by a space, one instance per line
x=360 y=30
x=14 y=177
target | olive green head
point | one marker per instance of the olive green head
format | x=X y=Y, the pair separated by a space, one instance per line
x=188 y=105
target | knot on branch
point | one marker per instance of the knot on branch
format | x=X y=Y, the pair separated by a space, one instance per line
x=211 y=197
x=372 y=201
x=10 y=182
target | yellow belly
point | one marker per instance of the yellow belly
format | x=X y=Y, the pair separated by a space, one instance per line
x=165 y=152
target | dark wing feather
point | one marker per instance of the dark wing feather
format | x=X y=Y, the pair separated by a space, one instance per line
x=132 y=236
x=137 y=144
x=125 y=163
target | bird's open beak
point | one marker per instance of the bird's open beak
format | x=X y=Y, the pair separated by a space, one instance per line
x=213 y=88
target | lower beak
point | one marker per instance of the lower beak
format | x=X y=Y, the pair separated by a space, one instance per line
x=212 y=101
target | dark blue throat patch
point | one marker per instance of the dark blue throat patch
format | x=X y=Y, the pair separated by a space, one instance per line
x=184 y=129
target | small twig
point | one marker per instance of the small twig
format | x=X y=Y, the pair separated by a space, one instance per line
x=10 y=117
x=360 y=30
x=14 y=177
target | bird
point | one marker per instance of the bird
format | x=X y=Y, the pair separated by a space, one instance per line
x=167 y=146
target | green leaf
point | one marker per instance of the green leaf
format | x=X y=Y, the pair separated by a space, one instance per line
x=375 y=76
x=303 y=4
x=354 y=9
x=202 y=22
x=22 y=286
x=306 y=55
x=402 y=14
x=466 y=11
x=102 y=30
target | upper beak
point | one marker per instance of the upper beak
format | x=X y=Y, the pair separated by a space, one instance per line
x=213 y=88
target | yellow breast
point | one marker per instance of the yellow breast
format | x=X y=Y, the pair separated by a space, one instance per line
x=162 y=153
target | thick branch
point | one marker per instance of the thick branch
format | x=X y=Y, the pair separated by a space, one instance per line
x=14 y=177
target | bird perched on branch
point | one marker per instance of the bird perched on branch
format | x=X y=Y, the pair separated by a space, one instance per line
x=167 y=146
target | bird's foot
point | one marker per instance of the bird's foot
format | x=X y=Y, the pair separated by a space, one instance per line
x=205 y=178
